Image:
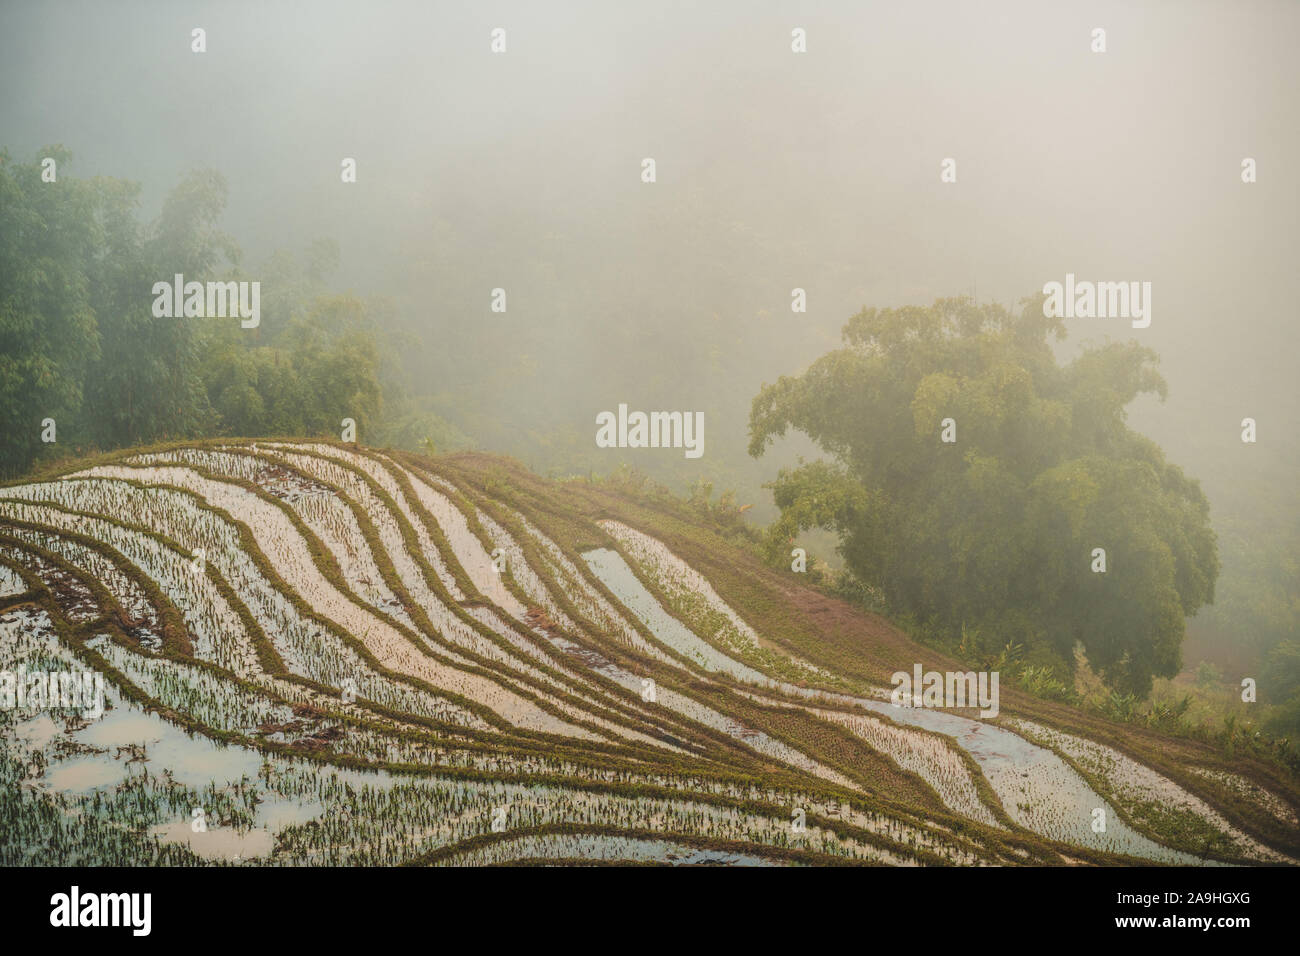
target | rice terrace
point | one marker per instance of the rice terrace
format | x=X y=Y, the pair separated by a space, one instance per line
x=482 y=469
x=318 y=653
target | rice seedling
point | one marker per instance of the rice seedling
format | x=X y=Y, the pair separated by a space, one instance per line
x=357 y=658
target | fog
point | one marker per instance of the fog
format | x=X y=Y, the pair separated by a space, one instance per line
x=774 y=171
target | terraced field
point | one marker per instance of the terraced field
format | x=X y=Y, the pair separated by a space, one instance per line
x=322 y=654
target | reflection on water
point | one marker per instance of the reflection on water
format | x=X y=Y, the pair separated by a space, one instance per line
x=128 y=742
x=1037 y=788
x=220 y=843
x=125 y=733
x=229 y=843
x=83 y=774
x=614 y=573
x=589 y=846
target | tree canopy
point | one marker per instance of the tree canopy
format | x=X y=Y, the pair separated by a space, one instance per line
x=993 y=534
x=79 y=342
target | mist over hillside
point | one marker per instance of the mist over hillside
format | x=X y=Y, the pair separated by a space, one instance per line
x=396 y=391
x=775 y=171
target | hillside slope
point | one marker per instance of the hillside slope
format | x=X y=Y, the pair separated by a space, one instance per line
x=379 y=658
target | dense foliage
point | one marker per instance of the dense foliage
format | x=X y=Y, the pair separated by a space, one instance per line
x=993 y=534
x=79 y=342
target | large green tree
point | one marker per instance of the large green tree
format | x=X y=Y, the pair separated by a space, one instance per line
x=79 y=342
x=323 y=367
x=144 y=385
x=78 y=339
x=993 y=534
x=49 y=231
